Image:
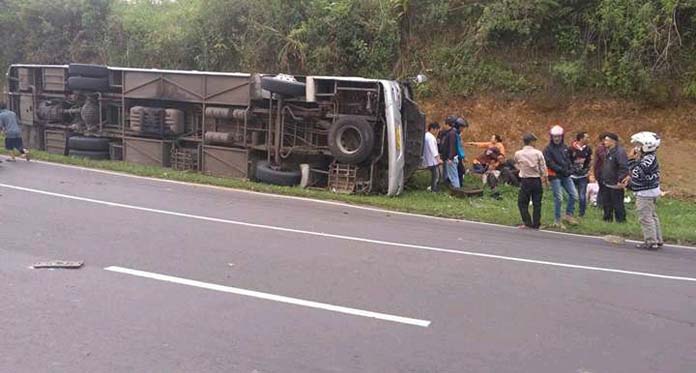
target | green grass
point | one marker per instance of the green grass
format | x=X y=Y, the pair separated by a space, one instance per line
x=678 y=217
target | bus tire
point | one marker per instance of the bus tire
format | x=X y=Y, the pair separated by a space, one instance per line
x=87 y=70
x=81 y=83
x=283 y=87
x=266 y=174
x=99 y=144
x=89 y=154
x=351 y=140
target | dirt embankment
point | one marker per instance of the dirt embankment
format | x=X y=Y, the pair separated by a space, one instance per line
x=676 y=125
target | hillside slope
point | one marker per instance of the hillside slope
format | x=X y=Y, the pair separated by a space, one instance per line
x=512 y=118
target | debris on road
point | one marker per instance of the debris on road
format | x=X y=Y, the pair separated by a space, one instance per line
x=616 y=240
x=59 y=264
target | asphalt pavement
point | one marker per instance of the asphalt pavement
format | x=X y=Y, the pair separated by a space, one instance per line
x=185 y=278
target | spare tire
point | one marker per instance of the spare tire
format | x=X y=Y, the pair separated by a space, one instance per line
x=89 y=154
x=87 y=70
x=265 y=174
x=283 y=87
x=81 y=83
x=100 y=144
x=351 y=140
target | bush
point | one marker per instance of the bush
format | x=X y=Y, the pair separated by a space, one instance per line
x=569 y=73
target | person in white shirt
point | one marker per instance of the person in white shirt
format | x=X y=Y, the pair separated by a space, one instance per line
x=431 y=155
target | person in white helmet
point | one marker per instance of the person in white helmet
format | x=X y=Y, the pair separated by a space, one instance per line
x=644 y=179
x=559 y=164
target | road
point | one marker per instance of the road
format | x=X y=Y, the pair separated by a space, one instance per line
x=183 y=278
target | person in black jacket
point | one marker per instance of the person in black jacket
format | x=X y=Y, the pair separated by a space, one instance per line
x=614 y=171
x=581 y=158
x=558 y=161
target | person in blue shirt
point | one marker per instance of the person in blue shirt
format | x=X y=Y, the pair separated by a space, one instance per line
x=13 y=133
x=459 y=124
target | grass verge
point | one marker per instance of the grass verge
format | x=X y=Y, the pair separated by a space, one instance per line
x=678 y=217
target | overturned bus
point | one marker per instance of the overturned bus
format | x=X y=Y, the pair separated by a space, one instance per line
x=346 y=134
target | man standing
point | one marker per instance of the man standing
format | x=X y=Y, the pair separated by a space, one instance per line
x=459 y=124
x=644 y=180
x=614 y=171
x=13 y=133
x=581 y=156
x=448 y=152
x=431 y=157
x=532 y=166
x=558 y=161
x=600 y=155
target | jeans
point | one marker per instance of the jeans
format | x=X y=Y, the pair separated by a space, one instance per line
x=451 y=171
x=581 y=187
x=558 y=184
x=434 y=178
x=649 y=222
x=530 y=188
x=614 y=205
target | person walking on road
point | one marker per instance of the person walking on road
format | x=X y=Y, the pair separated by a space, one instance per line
x=13 y=133
x=557 y=157
x=431 y=156
x=614 y=172
x=644 y=180
x=581 y=156
x=532 y=166
x=448 y=153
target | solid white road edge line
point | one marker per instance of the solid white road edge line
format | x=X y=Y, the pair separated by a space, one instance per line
x=271 y=297
x=325 y=202
x=356 y=239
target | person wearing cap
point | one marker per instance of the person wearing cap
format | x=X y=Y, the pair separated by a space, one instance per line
x=431 y=156
x=557 y=157
x=613 y=173
x=532 y=166
x=644 y=179
x=448 y=152
x=459 y=124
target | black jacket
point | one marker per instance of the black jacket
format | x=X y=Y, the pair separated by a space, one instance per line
x=558 y=160
x=581 y=157
x=448 y=144
x=615 y=167
x=645 y=172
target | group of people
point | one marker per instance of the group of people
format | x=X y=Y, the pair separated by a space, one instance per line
x=573 y=170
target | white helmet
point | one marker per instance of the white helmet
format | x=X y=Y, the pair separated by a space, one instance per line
x=648 y=141
x=556 y=131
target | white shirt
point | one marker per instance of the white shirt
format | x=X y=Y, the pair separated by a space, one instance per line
x=650 y=193
x=430 y=152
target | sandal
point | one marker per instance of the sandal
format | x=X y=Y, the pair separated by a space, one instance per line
x=648 y=246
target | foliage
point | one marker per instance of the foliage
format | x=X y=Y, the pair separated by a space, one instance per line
x=621 y=47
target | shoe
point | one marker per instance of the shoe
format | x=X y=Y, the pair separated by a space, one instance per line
x=648 y=246
x=660 y=244
x=570 y=220
x=558 y=225
x=524 y=226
